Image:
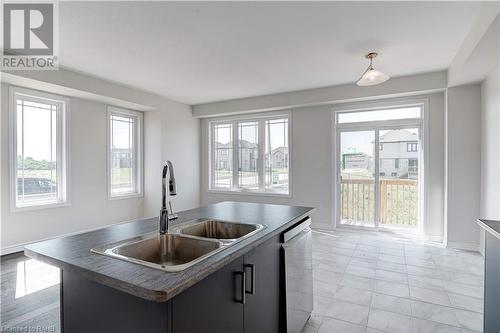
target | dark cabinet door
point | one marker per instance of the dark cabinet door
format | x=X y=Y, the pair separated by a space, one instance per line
x=262 y=272
x=492 y=284
x=214 y=304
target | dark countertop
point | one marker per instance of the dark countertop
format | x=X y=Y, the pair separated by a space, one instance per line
x=73 y=252
x=492 y=226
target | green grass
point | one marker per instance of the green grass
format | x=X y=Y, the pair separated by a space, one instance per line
x=121 y=176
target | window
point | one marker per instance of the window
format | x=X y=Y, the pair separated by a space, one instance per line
x=38 y=154
x=124 y=153
x=413 y=165
x=260 y=162
x=411 y=112
x=411 y=147
x=223 y=156
x=396 y=163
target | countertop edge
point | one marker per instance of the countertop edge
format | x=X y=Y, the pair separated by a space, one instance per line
x=166 y=295
x=135 y=290
x=485 y=226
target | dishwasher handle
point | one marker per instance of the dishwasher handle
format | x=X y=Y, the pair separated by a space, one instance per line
x=291 y=233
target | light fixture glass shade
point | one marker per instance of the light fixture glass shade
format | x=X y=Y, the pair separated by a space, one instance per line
x=372 y=77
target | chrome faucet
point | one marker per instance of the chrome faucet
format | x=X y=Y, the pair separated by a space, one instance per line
x=165 y=215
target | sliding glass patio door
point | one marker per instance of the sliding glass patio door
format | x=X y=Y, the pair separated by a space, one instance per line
x=378 y=174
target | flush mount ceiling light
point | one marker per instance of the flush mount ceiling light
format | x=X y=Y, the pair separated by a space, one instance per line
x=372 y=76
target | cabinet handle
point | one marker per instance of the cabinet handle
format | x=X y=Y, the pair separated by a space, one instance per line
x=242 y=298
x=252 y=278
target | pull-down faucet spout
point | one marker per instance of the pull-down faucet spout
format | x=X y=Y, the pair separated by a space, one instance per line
x=165 y=215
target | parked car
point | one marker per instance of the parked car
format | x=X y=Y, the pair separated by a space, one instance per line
x=35 y=186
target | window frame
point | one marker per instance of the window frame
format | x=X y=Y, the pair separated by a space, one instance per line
x=138 y=149
x=62 y=146
x=234 y=120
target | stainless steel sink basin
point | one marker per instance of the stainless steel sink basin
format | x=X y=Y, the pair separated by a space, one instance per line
x=185 y=245
x=222 y=230
x=169 y=252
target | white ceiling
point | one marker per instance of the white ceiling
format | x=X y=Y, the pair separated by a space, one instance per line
x=202 y=52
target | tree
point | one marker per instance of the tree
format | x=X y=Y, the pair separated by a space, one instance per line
x=31 y=164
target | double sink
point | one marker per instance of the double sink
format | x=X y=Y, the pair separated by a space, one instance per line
x=185 y=244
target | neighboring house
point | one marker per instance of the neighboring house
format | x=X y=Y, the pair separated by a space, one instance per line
x=399 y=150
x=356 y=161
x=122 y=158
x=247 y=158
x=279 y=158
x=223 y=156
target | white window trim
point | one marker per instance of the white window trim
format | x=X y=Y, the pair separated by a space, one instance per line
x=234 y=120
x=139 y=152
x=63 y=127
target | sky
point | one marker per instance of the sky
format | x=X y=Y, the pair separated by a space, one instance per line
x=40 y=137
x=38 y=134
x=122 y=132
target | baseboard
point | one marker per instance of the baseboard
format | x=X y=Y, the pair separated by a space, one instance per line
x=481 y=250
x=437 y=239
x=12 y=249
x=463 y=246
x=20 y=247
x=325 y=226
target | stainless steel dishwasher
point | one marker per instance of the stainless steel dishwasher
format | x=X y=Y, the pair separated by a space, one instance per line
x=297 y=250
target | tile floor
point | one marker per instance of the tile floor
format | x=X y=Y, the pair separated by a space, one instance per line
x=363 y=282
x=29 y=295
x=378 y=282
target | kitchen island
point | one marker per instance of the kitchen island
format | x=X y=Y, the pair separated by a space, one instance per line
x=103 y=294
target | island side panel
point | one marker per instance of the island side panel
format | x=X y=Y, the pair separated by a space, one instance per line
x=88 y=306
x=492 y=284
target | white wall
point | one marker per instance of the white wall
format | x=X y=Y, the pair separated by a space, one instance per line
x=463 y=165
x=312 y=176
x=490 y=148
x=170 y=133
x=172 y=136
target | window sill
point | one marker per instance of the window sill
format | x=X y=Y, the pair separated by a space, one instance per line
x=252 y=193
x=125 y=196
x=21 y=209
